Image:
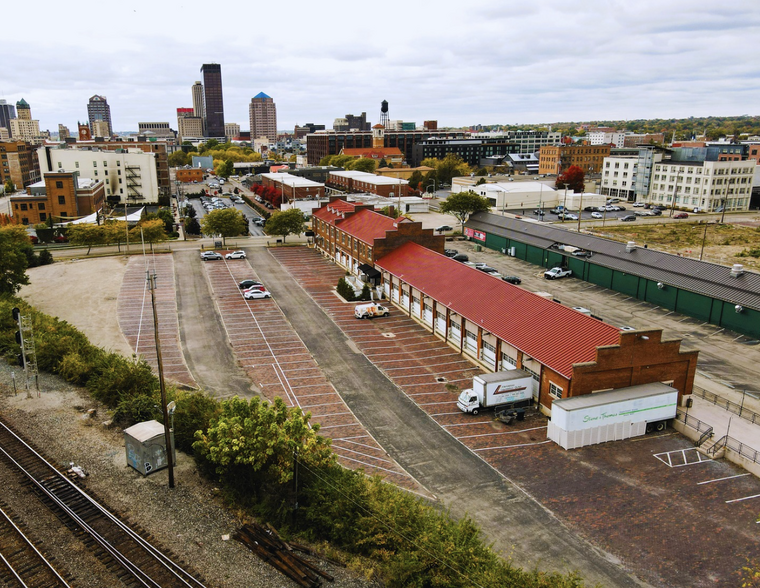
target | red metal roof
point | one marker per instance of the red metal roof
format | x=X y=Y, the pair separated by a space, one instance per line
x=334 y=210
x=367 y=225
x=554 y=335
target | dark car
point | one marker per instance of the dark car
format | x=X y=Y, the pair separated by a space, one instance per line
x=460 y=257
x=487 y=269
x=511 y=279
x=443 y=228
x=628 y=217
x=450 y=252
x=245 y=284
x=656 y=211
x=590 y=209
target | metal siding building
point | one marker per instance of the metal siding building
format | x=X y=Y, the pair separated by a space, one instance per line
x=703 y=290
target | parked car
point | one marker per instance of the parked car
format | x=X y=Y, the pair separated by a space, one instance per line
x=597 y=215
x=257 y=287
x=638 y=204
x=557 y=272
x=487 y=269
x=210 y=255
x=443 y=228
x=255 y=294
x=258 y=221
x=681 y=215
x=511 y=279
x=627 y=218
x=450 y=252
x=460 y=257
x=370 y=310
x=568 y=216
x=245 y=284
x=589 y=209
x=235 y=255
x=656 y=212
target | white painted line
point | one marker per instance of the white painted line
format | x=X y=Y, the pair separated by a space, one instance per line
x=468 y=424
x=499 y=433
x=721 y=479
x=744 y=498
x=511 y=446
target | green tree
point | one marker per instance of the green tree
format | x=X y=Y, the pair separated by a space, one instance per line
x=14 y=242
x=574 y=178
x=449 y=167
x=252 y=445
x=150 y=231
x=10 y=187
x=462 y=204
x=415 y=180
x=115 y=232
x=192 y=226
x=382 y=163
x=326 y=160
x=284 y=223
x=87 y=235
x=363 y=164
x=228 y=222
x=225 y=169
x=178 y=159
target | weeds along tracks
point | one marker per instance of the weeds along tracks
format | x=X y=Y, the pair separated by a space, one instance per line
x=128 y=554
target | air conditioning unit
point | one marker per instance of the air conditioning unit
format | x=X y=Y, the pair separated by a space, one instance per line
x=737 y=270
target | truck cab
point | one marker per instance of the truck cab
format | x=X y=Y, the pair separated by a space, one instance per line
x=468 y=402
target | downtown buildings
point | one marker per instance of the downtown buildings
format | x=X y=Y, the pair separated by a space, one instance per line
x=263 y=117
x=99 y=116
x=213 y=101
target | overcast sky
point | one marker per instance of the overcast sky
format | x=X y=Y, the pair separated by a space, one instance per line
x=461 y=63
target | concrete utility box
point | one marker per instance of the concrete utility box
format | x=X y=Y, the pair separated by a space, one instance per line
x=146 y=447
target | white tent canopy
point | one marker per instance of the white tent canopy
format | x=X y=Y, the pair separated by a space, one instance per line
x=92 y=219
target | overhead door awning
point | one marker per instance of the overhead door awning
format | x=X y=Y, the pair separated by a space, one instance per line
x=369 y=271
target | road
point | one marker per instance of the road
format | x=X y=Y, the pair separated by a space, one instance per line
x=204 y=342
x=519 y=526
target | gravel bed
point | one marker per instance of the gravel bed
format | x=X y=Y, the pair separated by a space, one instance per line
x=190 y=519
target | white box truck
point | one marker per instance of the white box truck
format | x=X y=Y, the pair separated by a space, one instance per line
x=612 y=416
x=370 y=310
x=497 y=390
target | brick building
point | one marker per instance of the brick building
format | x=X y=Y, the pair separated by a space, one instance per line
x=356 y=181
x=188 y=174
x=19 y=163
x=503 y=327
x=354 y=235
x=556 y=159
x=293 y=187
x=63 y=195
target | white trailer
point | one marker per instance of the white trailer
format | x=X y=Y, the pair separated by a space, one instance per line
x=611 y=416
x=500 y=389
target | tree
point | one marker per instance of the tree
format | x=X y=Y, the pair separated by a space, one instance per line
x=363 y=164
x=87 y=235
x=574 y=178
x=225 y=169
x=165 y=215
x=14 y=242
x=449 y=167
x=227 y=222
x=192 y=226
x=284 y=223
x=115 y=232
x=10 y=187
x=415 y=180
x=326 y=161
x=151 y=231
x=382 y=163
x=178 y=159
x=462 y=204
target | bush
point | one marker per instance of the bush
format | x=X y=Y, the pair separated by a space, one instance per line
x=366 y=293
x=117 y=378
x=346 y=290
x=194 y=412
x=46 y=258
x=136 y=409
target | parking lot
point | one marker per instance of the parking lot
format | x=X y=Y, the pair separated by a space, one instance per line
x=665 y=520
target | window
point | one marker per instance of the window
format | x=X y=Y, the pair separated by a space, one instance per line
x=94 y=164
x=105 y=164
x=60 y=165
x=43 y=217
x=118 y=164
x=41 y=206
x=58 y=184
x=76 y=164
x=23 y=207
x=555 y=390
x=62 y=200
x=24 y=221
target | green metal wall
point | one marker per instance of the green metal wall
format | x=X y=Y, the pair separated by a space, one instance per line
x=717 y=312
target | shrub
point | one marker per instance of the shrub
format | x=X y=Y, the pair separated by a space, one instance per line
x=46 y=258
x=194 y=412
x=346 y=290
x=366 y=293
x=117 y=378
x=136 y=409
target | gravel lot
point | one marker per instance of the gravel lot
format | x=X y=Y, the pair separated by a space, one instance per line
x=191 y=518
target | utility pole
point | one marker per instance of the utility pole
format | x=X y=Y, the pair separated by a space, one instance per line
x=164 y=408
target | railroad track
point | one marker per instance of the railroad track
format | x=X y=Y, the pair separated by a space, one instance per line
x=21 y=562
x=128 y=555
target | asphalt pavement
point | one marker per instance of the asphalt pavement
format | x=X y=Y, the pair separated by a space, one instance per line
x=520 y=527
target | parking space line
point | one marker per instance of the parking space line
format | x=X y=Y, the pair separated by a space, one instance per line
x=497 y=432
x=721 y=479
x=512 y=446
x=435 y=414
x=744 y=498
x=367 y=455
x=467 y=424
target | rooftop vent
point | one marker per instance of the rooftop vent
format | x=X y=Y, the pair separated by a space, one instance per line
x=737 y=270
x=630 y=246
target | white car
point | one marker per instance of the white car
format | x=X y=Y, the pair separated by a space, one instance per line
x=638 y=204
x=249 y=294
x=235 y=255
x=597 y=215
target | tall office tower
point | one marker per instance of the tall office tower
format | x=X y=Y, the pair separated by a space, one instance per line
x=213 y=102
x=63 y=132
x=7 y=112
x=24 y=128
x=24 y=110
x=263 y=117
x=98 y=109
x=197 y=90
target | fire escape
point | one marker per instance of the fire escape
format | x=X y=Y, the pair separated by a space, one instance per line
x=134 y=183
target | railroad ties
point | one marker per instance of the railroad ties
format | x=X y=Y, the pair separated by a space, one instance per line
x=127 y=552
x=268 y=546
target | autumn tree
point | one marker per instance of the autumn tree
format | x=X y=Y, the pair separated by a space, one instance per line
x=463 y=204
x=178 y=159
x=149 y=231
x=284 y=223
x=14 y=244
x=573 y=178
x=227 y=222
x=86 y=235
x=447 y=168
x=363 y=164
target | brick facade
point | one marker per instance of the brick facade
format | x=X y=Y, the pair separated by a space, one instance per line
x=187 y=175
x=555 y=159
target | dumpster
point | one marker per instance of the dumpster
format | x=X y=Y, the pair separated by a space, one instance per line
x=146 y=447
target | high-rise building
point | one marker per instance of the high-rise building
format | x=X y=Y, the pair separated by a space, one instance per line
x=63 y=132
x=263 y=117
x=19 y=163
x=213 y=101
x=189 y=126
x=197 y=90
x=7 y=112
x=98 y=109
x=24 y=110
x=231 y=131
x=24 y=128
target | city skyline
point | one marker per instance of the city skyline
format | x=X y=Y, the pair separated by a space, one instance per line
x=483 y=64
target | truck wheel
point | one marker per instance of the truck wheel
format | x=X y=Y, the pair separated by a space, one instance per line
x=659 y=427
x=475 y=411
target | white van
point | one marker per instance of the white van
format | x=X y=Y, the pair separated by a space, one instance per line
x=370 y=310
